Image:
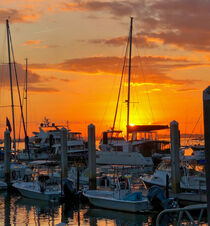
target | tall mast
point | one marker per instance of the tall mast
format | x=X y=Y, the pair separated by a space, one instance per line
x=129 y=74
x=26 y=94
x=11 y=87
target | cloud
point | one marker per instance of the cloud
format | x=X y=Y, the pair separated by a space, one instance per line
x=156 y=69
x=4 y=72
x=187 y=90
x=32 y=42
x=46 y=46
x=118 y=8
x=42 y=89
x=138 y=40
x=35 y=81
x=181 y=23
x=25 y=15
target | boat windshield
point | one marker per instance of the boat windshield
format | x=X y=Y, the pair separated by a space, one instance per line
x=117 y=135
x=74 y=136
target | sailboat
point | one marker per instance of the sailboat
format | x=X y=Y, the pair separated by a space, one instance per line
x=140 y=142
x=11 y=56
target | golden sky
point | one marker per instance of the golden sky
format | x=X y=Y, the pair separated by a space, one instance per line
x=75 y=51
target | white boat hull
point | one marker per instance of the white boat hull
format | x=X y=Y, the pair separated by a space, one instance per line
x=117 y=204
x=3 y=185
x=35 y=194
x=122 y=158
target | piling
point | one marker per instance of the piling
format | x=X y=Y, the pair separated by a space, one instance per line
x=167 y=186
x=175 y=162
x=206 y=117
x=92 y=157
x=78 y=178
x=64 y=160
x=7 y=150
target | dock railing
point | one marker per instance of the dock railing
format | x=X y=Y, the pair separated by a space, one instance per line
x=184 y=212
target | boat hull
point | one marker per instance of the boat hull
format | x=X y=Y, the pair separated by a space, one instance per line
x=29 y=193
x=3 y=185
x=117 y=204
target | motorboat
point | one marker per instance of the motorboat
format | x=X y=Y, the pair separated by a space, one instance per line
x=121 y=199
x=43 y=188
x=191 y=179
x=18 y=172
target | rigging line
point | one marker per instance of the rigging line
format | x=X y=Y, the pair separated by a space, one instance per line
x=143 y=75
x=122 y=102
x=118 y=98
x=20 y=116
x=140 y=100
x=107 y=104
x=194 y=127
x=137 y=96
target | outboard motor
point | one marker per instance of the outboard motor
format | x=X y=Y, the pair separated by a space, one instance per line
x=158 y=199
x=68 y=189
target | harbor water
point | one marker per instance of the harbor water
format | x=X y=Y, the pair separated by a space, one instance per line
x=16 y=210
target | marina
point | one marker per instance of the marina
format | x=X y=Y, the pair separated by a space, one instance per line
x=140 y=167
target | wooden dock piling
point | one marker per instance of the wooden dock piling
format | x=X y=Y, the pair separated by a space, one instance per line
x=206 y=117
x=64 y=160
x=7 y=150
x=92 y=157
x=175 y=162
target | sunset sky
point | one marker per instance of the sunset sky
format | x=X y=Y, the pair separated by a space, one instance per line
x=75 y=51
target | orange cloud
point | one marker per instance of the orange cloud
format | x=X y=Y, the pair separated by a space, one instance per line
x=138 y=40
x=42 y=89
x=19 y=15
x=158 y=21
x=156 y=68
x=35 y=81
x=32 y=42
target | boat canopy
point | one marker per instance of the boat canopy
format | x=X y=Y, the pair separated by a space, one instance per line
x=145 y=128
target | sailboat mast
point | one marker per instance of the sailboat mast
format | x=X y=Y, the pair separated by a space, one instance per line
x=26 y=94
x=129 y=75
x=11 y=86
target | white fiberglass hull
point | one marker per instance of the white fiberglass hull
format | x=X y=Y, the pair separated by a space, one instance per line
x=116 y=204
x=28 y=190
x=3 y=185
x=184 y=186
x=122 y=158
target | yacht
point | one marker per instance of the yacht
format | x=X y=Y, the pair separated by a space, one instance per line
x=46 y=144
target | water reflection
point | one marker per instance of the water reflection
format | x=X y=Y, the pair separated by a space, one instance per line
x=16 y=210
x=103 y=215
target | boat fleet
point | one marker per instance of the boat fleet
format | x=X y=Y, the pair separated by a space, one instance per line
x=35 y=171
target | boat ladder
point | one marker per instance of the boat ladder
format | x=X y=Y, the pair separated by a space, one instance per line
x=184 y=213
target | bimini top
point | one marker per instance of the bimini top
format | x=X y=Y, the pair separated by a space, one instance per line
x=145 y=128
